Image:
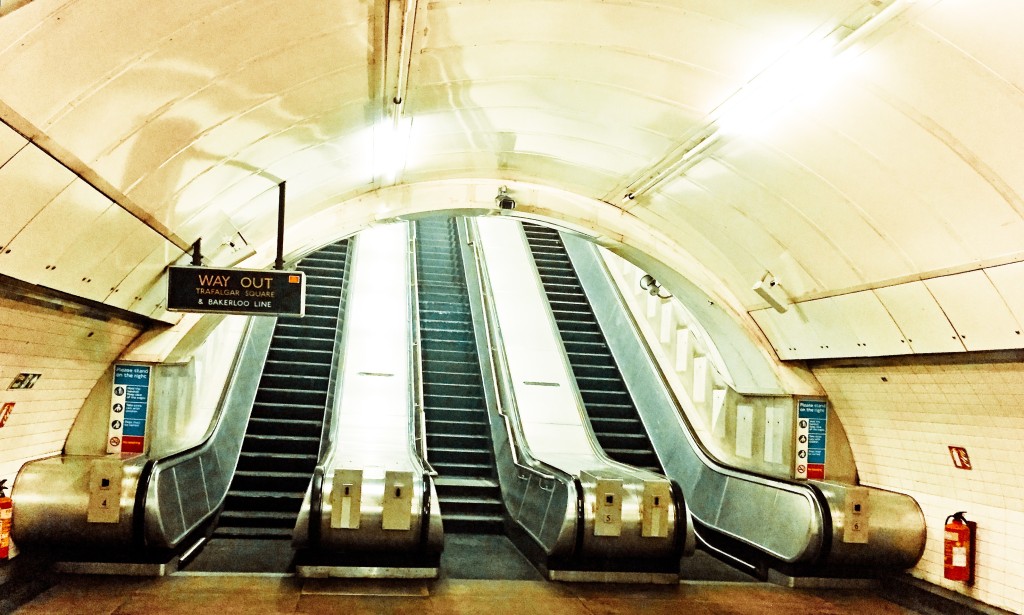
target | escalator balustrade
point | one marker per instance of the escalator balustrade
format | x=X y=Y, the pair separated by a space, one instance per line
x=613 y=415
x=283 y=436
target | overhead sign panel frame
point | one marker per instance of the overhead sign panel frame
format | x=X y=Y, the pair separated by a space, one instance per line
x=259 y=292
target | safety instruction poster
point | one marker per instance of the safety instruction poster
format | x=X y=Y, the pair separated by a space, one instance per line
x=811 y=426
x=129 y=407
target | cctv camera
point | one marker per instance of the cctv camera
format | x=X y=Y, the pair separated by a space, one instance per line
x=503 y=200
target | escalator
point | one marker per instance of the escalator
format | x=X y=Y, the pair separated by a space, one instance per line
x=458 y=432
x=283 y=435
x=728 y=507
x=613 y=415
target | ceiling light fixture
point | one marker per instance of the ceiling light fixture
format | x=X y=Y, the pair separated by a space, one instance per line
x=390 y=148
x=391 y=133
x=748 y=109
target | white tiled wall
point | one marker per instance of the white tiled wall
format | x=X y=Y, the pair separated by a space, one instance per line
x=902 y=415
x=71 y=352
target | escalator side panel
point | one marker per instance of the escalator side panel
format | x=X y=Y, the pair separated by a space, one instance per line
x=374 y=424
x=717 y=500
x=550 y=425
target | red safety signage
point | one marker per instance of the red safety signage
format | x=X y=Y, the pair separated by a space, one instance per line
x=5 y=412
x=960 y=457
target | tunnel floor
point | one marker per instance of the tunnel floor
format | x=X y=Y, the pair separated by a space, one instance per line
x=224 y=595
x=465 y=556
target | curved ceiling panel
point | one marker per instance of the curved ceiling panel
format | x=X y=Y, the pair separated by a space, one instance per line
x=845 y=146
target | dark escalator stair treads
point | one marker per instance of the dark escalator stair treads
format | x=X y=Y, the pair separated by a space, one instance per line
x=458 y=432
x=613 y=417
x=282 y=438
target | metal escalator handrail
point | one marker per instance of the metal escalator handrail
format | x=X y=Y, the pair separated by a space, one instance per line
x=217 y=425
x=219 y=414
x=419 y=425
x=496 y=348
x=326 y=432
x=706 y=455
x=327 y=428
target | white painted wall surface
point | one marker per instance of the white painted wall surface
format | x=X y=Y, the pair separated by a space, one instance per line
x=70 y=352
x=902 y=415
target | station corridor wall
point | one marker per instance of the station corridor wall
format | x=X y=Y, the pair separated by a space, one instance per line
x=902 y=415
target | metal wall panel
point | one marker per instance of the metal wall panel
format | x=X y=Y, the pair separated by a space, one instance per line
x=28 y=181
x=1009 y=283
x=10 y=143
x=64 y=222
x=977 y=311
x=133 y=291
x=86 y=267
x=925 y=327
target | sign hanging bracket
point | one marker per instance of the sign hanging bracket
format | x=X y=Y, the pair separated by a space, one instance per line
x=279 y=261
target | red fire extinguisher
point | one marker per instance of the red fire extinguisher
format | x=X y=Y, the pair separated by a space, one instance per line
x=6 y=512
x=959 y=548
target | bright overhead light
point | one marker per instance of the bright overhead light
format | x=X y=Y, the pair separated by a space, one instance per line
x=793 y=75
x=812 y=65
x=390 y=148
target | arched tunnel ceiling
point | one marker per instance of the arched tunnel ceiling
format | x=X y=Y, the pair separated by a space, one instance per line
x=851 y=148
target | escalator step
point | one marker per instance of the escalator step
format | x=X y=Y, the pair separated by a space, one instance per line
x=250 y=480
x=465 y=377
x=269 y=461
x=278 y=533
x=456 y=427
x=459 y=456
x=297 y=342
x=283 y=397
x=614 y=425
x=270 y=409
x=456 y=414
x=464 y=469
x=282 y=501
x=478 y=521
x=609 y=405
x=622 y=440
x=258 y=518
x=284 y=427
x=470 y=504
x=439 y=440
x=279 y=443
x=601 y=385
x=306 y=355
x=296 y=384
x=285 y=366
